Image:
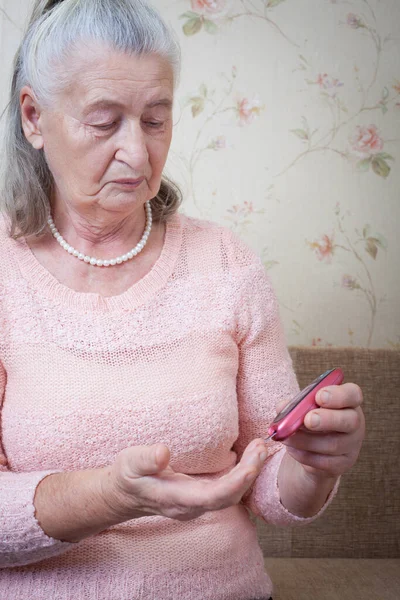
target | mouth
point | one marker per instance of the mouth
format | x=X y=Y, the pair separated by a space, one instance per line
x=132 y=183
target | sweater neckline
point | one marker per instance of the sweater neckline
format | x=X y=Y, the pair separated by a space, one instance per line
x=44 y=282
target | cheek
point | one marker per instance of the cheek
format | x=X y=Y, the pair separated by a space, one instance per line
x=82 y=159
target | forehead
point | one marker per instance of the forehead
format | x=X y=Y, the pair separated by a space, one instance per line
x=104 y=75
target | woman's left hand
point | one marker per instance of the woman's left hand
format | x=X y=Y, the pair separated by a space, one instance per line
x=329 y=442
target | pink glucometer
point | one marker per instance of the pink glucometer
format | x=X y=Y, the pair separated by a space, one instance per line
x=291 y=417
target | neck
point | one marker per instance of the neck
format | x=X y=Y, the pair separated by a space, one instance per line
x=101 y=235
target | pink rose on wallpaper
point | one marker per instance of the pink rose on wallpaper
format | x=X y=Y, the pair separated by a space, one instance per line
x=323 y=248
x=208 y=7
x=367 y=146
x=248 y=110
x=366 y=140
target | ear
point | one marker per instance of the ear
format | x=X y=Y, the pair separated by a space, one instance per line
x=30 y=117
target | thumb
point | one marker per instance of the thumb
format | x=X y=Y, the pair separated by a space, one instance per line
x=149 y=460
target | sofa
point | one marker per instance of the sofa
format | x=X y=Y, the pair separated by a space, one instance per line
x=353 y=550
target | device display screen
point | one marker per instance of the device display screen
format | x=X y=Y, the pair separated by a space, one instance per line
x=299 y=397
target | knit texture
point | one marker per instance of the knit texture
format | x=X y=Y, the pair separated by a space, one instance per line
x=193 y=356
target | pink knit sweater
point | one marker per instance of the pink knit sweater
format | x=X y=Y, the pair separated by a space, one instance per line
x=193 y=355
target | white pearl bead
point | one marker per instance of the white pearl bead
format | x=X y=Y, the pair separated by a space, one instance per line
x=81 y=256
x=119 y=260
x=75 y=253
x=100 y=263
x=113 y=262
x=71 y=250
x=125 y=258
x=93 y=262
x=130 y=255
x=87 y=259
x=106 y=263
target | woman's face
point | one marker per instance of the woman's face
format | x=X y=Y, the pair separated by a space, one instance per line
x=106 y=138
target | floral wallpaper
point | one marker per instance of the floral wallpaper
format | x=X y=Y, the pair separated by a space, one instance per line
x=287 y=130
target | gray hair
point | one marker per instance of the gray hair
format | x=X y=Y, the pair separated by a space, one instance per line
x=55 y=28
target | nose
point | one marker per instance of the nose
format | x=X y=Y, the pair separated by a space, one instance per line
x=132 y=147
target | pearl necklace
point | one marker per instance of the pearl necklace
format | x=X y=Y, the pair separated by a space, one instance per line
x=95 y=262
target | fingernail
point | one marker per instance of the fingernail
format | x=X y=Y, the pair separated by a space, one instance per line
x=324 y=397
x=315 y=420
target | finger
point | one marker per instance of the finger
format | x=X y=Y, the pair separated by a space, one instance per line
x=249 y=467
x=256 y=451
x=253 y=450
x=147 y=460
x=346 y=420
x=229 y=489
x=332 y=444
x=348 y=395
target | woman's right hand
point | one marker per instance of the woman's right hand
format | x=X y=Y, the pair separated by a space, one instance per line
x=141 y=483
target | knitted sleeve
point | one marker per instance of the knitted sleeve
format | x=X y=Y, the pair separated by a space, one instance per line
x=265 y=377
x=22 y=540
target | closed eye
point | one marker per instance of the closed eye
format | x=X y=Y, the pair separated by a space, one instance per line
x=106 y=126
x=154 y=124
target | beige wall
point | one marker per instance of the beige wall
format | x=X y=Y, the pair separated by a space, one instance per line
x=288 y=131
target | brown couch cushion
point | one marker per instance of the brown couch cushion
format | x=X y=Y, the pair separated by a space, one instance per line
x=364 y=519
x=334 y=579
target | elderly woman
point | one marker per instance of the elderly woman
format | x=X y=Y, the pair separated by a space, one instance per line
x=141 y=352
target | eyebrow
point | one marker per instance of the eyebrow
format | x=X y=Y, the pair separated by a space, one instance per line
x=99 y=104
x=163 y=102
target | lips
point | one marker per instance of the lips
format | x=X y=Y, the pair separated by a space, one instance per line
x=130 y=182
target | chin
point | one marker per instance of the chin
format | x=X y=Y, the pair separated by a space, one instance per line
x=125 y=202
